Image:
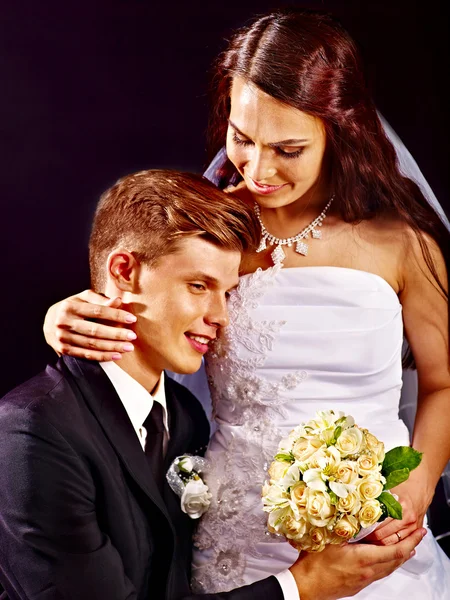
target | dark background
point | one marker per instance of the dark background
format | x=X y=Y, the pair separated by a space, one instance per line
x=90 y=91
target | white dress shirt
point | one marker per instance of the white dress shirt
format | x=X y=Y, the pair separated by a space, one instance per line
x=138 y=403
x=288 y=585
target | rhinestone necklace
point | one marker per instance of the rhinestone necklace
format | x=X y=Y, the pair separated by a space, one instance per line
x=301 y=247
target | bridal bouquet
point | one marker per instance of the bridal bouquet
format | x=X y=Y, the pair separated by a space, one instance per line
x=329 y=482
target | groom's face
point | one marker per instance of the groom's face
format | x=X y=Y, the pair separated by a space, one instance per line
x=182 y=304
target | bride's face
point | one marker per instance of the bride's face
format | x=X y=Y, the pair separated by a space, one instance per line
x=277 y=149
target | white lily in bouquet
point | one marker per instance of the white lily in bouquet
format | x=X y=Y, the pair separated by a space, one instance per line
x=330 y=481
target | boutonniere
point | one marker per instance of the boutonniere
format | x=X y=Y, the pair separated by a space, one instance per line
x=184 y=478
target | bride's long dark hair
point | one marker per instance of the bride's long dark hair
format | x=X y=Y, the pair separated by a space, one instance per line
x=308 y=61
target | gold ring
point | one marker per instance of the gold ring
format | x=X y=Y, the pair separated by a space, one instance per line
x=398 y=535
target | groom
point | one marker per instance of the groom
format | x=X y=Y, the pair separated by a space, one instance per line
x=85 y=511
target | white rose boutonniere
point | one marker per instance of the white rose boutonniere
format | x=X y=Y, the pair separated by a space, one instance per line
x=195 y=499
x=184 y=478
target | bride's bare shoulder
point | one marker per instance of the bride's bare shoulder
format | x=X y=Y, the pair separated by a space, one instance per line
x=396 y=242
x=386 y=230
x=390 y=229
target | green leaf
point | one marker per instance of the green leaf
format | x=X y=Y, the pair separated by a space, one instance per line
x=337 y=432
x=402 y=457
x=393 y=507
x=333 y=498
x=284 y=457
x=396 y=477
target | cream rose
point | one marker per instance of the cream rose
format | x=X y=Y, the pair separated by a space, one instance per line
x=346 y=527
x=347 y=472
x=319 y=508
x=334 y=539
x=299 y=495
x=304 y=448
x=195 y=499
x=293 y=528
x=370 y=513
x=368 y=464
x=350 y=441
x=369 y=488
x=278 y=469
x=319 y=538
x=374 y=445
x=350 y=504
x=371 y=441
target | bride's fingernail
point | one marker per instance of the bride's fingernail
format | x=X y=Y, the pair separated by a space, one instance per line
x=128 y=347
x=116 y=356
x=413 y=553
x=131 y=335
x=130 y=318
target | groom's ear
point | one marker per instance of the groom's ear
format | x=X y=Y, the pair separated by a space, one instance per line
x=123 y=270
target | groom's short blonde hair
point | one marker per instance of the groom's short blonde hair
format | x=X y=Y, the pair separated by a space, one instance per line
x=149 y=212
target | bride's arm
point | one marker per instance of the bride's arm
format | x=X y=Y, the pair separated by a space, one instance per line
x=425 y=315
x=73 y=326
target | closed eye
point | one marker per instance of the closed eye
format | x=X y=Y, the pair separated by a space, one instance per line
x=198 y=287
x=240 y=141
x=294 y=154
x=245 y=142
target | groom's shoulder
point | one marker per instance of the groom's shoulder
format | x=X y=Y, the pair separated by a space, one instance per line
x=40 y=394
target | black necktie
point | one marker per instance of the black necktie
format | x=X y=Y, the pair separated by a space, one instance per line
x=154 y=424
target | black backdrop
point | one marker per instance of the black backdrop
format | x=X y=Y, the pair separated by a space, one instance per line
x=93 y=90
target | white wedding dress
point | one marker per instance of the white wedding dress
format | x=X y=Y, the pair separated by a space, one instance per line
x=300 y=340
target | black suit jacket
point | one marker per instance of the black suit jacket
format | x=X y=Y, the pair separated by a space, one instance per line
x=80 y=515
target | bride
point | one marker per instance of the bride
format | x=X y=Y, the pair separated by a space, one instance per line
x=352 y=258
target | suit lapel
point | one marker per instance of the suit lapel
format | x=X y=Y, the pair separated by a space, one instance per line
x=181 y=428
x=105 y=404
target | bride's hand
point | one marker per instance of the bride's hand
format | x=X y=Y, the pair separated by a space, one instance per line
x=414 y=503
x=69 y=327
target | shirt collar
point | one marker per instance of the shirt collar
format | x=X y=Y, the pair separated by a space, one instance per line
x=138 y=402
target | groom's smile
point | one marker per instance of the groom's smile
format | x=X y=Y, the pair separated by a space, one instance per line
x=198 y=342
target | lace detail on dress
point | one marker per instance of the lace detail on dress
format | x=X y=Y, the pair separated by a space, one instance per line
x=232 y=377
x=237 y=473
